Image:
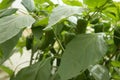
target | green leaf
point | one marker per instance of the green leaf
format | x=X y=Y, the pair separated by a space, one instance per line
x=6 y=3
x=12 y=25
x=40 y=1
x=94 y=3
x=100 y=72
x=115 y=63
x=29 y=5
x=116 y=77
x=58 y=28
x=41 y=22
x=62 y=12
x=43 y=1
x=7 y=70
x=8 y=12
x=84 y=50
x=111 y=12
x=72 y=2
x=37 y=71
x=7 y=47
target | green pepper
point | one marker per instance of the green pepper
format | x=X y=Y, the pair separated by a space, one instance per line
x=117 y=36
x=67 y=37
x=102 y=27
x=81 y=26
x=29 y=42
x=47 y=39
x=94 y=20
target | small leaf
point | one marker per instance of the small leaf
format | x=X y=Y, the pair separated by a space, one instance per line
x=29 y=5
x=43 y=1
x=6 y=3
x=116 y=77
x=41 y=22
x=100 y=72
x=37 y=71
x=12 y=25
x=58 y=28
x=72 y=2
x=94 y=3
x=62 y=12
x=115 y=63
x=8 y=12
x=84 y=50
x=111 y=12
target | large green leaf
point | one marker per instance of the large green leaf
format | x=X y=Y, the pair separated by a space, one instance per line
x=84 y=50
x=38 y=71
x=6 y=3
x=8 y=12
x=12 y=25
x=100 y=72
x=94 y=3
x=72 y=2
x=7 y=47
x=29 y=5
x=62 y=12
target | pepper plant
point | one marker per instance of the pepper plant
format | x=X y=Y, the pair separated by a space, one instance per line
x=73 y=41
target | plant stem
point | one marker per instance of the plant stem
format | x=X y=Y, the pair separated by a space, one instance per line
x=31 y=58
x=114 y=54
x=59 y=42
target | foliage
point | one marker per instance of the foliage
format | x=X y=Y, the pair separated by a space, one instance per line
x=73 y=41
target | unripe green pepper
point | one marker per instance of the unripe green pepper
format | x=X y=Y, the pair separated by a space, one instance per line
x=67 y=37
x=81 y=26
x=58 y=61
x=47 y=39
x=117 y=36
x=94 y=20
x=102 y=27
x=29 y=42
x=98 y=28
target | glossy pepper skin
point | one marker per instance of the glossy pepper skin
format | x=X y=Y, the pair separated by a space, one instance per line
x=102 y=27
x=117 y=37
x=29 y=42
x=47 y=39
x=81 y=26
x=94 y=21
